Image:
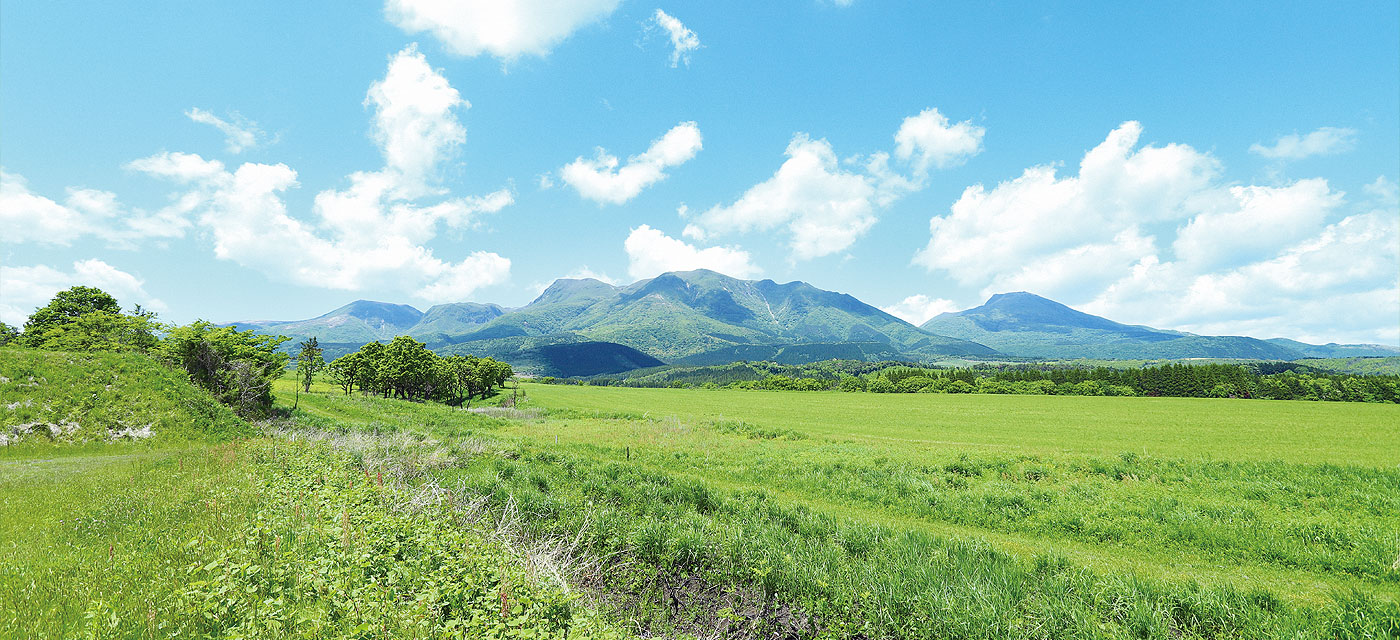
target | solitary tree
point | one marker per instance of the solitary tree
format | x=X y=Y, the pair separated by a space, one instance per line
x=309 y=361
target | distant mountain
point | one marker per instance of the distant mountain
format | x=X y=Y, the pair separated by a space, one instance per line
x=681 y=314
x=1334 y=350
x=1024 y=324
x=359 y=322
x=587 y=325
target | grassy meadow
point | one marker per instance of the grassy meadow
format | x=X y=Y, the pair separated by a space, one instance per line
x=891 y=516
x=587 y=512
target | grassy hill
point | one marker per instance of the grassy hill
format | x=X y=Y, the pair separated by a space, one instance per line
x=1025 y=324
x=56 y=397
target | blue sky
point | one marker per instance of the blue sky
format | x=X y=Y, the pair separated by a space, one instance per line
x=1213 y=167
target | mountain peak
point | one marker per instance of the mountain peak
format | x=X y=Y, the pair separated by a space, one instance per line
x=398 y=315
x=565 y=289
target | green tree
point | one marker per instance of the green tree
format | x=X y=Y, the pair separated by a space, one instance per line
x=8 y=334
x=345 y=370
x=309 y=362
x=68 y=306
x=88 y=319
x=237 y=367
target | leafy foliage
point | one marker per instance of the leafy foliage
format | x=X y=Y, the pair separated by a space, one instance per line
x=238 y=367
x=405 y=368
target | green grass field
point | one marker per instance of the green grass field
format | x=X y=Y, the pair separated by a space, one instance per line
x=603 y=512
x=1291 y=503
x=1198 y=428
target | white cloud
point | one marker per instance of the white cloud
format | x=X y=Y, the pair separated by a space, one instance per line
x=602 y=181
x=372 y=233
x=1325 y=141
x=993 y=232
x=415 y=123
x=683 y=40
x=1261 y=260
x=586 y=273
x=826 y=208
x=917 y=309
x=1339 y=285
x=28 y=288
x=240 y=134
x=929 y=139
x=505 y=29
x=26 y=216
x=1068 y=274
x=1257 y=223
x=651 y=252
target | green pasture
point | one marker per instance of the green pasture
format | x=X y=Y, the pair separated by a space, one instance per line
x=914 y=424
x=1292 y=502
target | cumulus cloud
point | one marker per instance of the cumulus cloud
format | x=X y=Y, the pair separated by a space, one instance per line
x=373 y=232
x=506 y=29
x=991 y=232
x=918 y=309
x=651 y=252
x=240 y=133
x=1325 y=141
x=929 y=139
x=683 y=40
x=26 y=216
x=601 y=180
x=824 y=206
x=1263 y=260
x=1339 y=285
x=31 y=287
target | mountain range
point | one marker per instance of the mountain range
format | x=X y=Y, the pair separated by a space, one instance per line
x=579 y=327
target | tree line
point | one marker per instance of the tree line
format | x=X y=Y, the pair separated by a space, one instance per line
x=1261 y=380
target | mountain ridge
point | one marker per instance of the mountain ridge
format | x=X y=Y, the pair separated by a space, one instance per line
x=702 y=316
x=1027 y=325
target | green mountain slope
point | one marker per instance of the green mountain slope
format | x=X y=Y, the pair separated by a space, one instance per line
x=681 y=314
x=60 y=397
x=443 y=321
x=1025 y=324
x=560 y=355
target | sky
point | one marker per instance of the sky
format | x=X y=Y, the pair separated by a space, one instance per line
x=1216 y=167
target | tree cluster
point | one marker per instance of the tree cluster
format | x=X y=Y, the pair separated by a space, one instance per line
x=405 y=368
